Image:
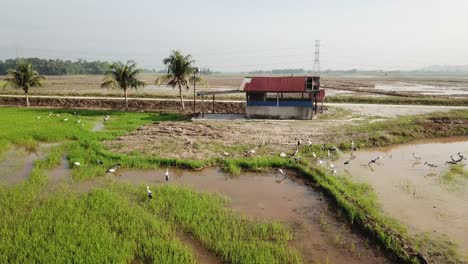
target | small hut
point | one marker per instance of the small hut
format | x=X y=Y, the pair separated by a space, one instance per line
x=294 y=97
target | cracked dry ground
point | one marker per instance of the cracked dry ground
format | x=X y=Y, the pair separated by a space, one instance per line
x=206 y=139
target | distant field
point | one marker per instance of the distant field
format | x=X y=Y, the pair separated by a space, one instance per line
x=410 y=86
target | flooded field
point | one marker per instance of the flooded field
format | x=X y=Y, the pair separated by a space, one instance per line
x=417 y=193
x=318 y=235
x=423 y=89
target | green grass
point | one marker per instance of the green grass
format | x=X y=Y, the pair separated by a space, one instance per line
x=117 y=223
x=455 y=173
x=405 y=129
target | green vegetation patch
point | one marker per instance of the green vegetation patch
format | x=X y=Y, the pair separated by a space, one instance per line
x=455 y=173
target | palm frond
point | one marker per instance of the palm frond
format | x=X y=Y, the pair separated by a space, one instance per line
x=123 y=76
x=24 y=77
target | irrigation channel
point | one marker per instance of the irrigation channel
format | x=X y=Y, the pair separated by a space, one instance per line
x=419 y=196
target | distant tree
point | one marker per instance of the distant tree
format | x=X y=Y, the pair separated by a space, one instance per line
x=123 y=76
x=24 y=77
x=180 y=71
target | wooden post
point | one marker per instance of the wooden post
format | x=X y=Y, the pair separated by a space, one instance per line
x=203 y=105
x=213 y=103
x=315 y=99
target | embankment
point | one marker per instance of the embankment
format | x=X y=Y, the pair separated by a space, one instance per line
x=141 y=104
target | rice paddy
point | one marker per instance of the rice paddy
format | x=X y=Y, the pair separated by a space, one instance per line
x=116 y=222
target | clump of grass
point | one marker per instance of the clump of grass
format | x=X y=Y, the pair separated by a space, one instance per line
x=455 y=173
x=118 y=223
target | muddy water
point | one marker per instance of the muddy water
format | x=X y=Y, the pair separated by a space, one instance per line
x=414 y=193
x=60 y=173
x=18 y=162
x=318 y=234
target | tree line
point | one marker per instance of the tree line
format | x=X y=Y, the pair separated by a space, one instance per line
x=180 y=73
x=58 y=66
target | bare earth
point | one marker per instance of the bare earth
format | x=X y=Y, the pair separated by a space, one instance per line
x=214 y=135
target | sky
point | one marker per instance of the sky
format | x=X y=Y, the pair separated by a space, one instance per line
x=241 y=35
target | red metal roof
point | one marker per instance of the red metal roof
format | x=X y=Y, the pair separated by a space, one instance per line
x=274 y=84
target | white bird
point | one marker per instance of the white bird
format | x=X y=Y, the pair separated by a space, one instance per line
x=329 y=154
x=225 y=154
x=281 y=171
x=252 y=151
x=309 y=142
x=333 y=171
x=167 y=174
x=320 y=162
x=416 y=156
x=79 y=121
x=282 y=154
x=106 y=118
x=76 y=163
x=50 y=113
x=113 y=168
x=39 y=117
x=66 y=119
x=332 y=166
x=295 y=153
x=314 y=155
x=150 y=193
x=353 y=147
x=57 y=115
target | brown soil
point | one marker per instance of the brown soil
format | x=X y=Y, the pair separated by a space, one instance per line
x=210 y=138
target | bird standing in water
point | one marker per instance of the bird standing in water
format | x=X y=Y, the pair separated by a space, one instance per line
x=167 y=174
x=113 y=168
x=353 y=147
x=281 y=171
x=374 y=160
x=430 y=165
x=150 y=194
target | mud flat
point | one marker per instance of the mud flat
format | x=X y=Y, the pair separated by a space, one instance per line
x=318 y=234
x=414 y=193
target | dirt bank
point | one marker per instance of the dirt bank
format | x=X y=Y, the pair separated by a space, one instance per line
x=172 y=106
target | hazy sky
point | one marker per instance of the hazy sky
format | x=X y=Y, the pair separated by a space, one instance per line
x=241 y=35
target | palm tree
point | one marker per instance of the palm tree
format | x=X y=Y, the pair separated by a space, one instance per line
x=123 y=76
x=179 y=73
x=24 y=77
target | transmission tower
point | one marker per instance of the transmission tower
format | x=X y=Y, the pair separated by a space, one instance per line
x=317 y=57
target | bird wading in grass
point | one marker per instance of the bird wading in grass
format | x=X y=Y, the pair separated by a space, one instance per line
x=149 y=192
x=167 y=174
